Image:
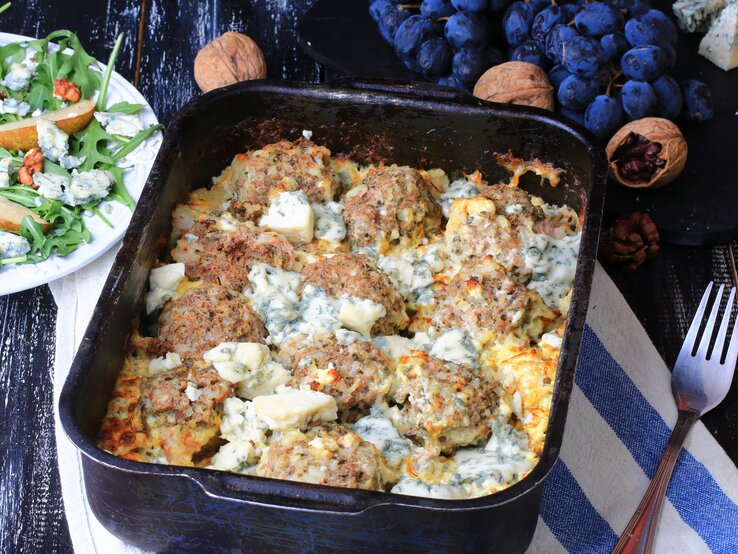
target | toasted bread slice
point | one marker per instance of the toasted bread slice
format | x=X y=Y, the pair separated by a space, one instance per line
x=21 y=135
x=11 y=215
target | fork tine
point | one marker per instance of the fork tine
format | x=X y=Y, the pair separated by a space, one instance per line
x=691 y=339
x=723 y=332
x=710 y=327
x=730 y=358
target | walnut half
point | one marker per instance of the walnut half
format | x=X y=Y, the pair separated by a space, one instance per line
x=230 y=58
x=516 y=83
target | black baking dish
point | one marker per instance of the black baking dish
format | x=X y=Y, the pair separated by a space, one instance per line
x=161 y=507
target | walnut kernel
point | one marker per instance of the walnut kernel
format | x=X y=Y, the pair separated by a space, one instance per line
x=647 y=153
x=230 y=58
x=516 y=83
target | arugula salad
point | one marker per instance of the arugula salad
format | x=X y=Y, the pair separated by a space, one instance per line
x=62 y=147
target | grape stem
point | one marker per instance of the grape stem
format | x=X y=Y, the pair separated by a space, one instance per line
x=612 y=83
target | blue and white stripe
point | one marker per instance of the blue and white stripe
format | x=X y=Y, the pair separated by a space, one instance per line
x=619 y=421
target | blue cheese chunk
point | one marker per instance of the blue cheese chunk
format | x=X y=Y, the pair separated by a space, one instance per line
x=294 y=409
x=124 y=125
x=553 y=263
x=6 y=168
x=170 y=361
x=696 y=15
x=720 y=44
x=163 y=283
x=18 y=77
x=329 y=223
x=290 y=214
x=377 y=429
x=455 y=346
x=248 y=365
x=52 y=140
x=246 y=435
x=360 y=314
x=412 y=272
x=51 y=185
x=13 y=246
x=15 y=107
x=87 y=186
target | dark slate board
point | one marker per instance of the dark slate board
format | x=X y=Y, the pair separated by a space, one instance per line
x=698 y=208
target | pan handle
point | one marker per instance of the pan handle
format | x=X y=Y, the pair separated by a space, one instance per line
x=412 y=89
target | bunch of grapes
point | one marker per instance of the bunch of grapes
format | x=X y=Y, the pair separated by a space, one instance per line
x=449 y=42
x=607 y=61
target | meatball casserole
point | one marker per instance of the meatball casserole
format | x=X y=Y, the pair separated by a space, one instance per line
x=377 y=327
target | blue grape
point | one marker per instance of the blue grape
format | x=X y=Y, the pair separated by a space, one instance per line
x=517 y=22
x=603 y=116
x=665 y=25
x=635 y=7
x=465 y=29
x=434 y=57
x=411 y=33
x=555 y=38
x=668 y=96
x=546 y=20
x=376 y=8
x=570 y=10
x=639 y=99
x=470 y=5
x=450 y=81
x=643 y=63
x=670 y=56
x=613 y=45
x=574 y=115
x=697 y=101
x=468 y=65
x=643 y=30
x=390 y=19
x=556 y=76
x=598 y=19
x=538 y=5
x=532 y=52
x=436 y=8
x=582 y=56
x=576 y=93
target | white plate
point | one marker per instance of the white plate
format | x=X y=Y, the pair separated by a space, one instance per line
x=16 y=278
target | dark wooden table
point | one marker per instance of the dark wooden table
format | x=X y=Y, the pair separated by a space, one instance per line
x=162 y=38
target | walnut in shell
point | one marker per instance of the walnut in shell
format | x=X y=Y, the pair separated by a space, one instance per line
x=516 y=83
x=230 y=58
x=647 y=153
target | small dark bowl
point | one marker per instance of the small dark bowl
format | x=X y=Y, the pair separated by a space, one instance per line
x=162 y=507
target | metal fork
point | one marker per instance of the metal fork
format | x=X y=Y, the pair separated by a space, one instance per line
x=699 y=383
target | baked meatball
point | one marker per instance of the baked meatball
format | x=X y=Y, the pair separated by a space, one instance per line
x=326 y=455
x=391 y=206
x=223 y=252
x=487 y=302
x=182 y=409
x=280 y=167
x=357 y=275
x=207 y=315
x=444 y=405
x=354 y=374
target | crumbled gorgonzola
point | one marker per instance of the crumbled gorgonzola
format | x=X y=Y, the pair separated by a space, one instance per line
x=329 y=222
x=249 y=365
x=455 y=346
x=412 y=272
x=6 y=168
x=170 y=361
x=87 y=186
x=294 y=409
x=52 y=140
x=18 y=77
x=359 y=314
x=52 y=185
x=163 y=283
x=553 y=264
x=15 y=107
x=290 y=214
x=377 y=429
x=461 y=188
x=124 y=125
x=245 y=433
x=12 y=245
x=395 y=346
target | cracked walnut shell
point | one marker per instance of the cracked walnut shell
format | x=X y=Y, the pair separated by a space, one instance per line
x=647 y=153
x=230 y=58
x=516 y=83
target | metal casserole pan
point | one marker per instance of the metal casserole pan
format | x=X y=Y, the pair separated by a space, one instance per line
x=161 y=507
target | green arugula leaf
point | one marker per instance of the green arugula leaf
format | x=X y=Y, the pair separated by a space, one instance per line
x=101 y=100
x=126 y=108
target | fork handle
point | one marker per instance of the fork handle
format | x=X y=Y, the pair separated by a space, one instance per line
x=641 y=529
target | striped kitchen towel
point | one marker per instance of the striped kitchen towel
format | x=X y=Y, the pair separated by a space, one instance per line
x=620 y=416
